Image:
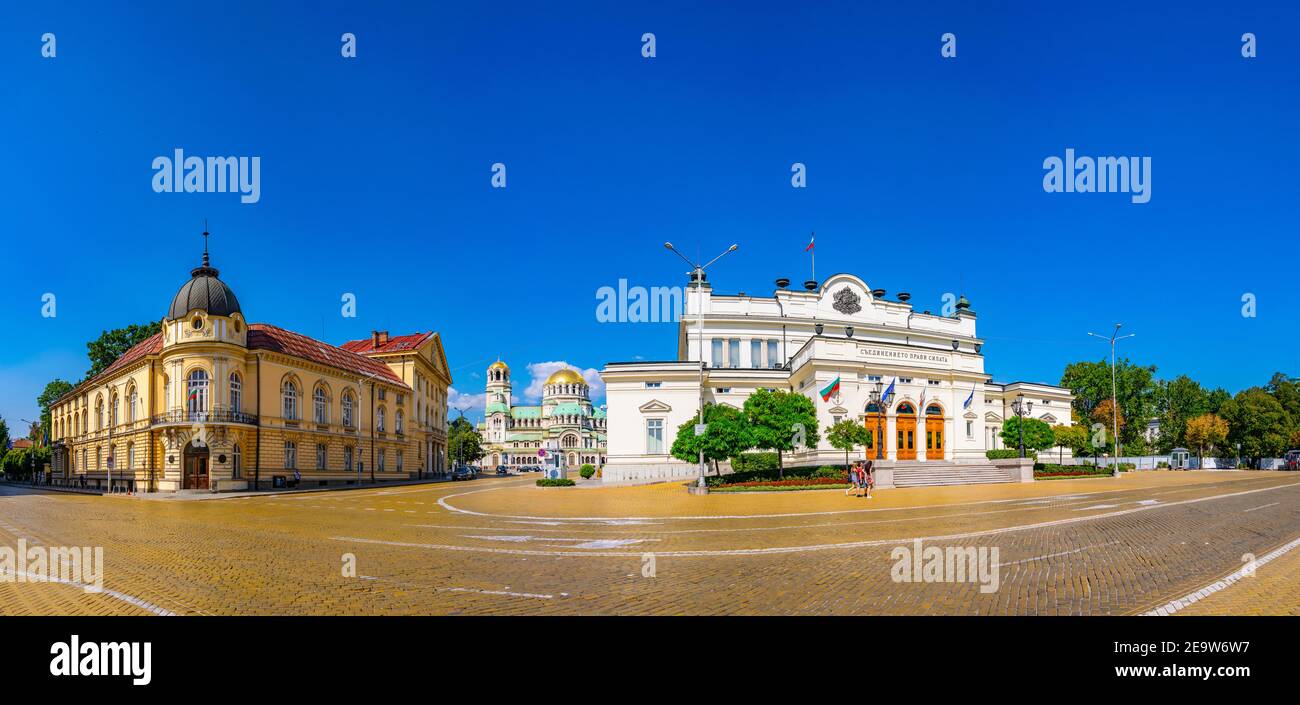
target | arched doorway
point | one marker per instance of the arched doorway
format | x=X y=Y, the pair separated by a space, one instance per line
x=195 y=469
x=933 y=432
x=905 y=422
x=874 y=420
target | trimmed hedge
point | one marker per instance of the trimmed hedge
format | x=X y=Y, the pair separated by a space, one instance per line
x=561 y=482
x=1008 y=453
x=586 y=471
x=766 y=475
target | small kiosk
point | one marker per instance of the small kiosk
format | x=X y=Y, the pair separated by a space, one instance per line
x=552 y=461
x=1180 y=459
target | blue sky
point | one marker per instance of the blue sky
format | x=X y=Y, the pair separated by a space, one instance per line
x=924 y=174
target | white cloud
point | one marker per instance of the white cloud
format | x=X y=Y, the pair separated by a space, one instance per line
x=541 y=370
x=471 y=404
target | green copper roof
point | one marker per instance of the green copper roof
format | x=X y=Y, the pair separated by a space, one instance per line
x=524 y=437
x=496 y=406
x=569 y=409
x=526 y=412
x=599 y=414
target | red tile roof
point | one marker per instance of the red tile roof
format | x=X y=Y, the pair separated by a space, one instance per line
x=263 y=336
x=399 y=343
x=20 y=443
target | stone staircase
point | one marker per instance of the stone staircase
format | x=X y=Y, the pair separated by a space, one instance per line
x=944 y=473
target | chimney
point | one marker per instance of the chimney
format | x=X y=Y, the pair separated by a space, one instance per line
x=378 y=338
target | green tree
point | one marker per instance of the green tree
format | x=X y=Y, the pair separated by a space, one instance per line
x=781 y=421
x=464 y=443
x=847 y=434
x=726 y=437
x=111 y=344
x=53 y=390
x=1074 y=437
x=1134 y=384
x=1206 y=430
x=1286 y=390
x=1181 y=399
x=1038 y=435
x=1257 y=421
x=4 y=436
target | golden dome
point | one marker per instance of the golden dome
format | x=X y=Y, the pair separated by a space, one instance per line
x=498 y=365
x=566 y=377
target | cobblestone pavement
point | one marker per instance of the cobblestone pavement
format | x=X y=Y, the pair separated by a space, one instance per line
x=503 y=546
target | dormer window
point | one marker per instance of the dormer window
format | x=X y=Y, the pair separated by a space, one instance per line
x=197 y=323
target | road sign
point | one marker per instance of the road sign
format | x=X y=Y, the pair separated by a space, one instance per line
x=701 y=429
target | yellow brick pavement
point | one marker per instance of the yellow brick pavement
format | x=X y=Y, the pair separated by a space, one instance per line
x=503 y=546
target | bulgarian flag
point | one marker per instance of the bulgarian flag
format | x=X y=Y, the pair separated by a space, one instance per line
x=831 y=389
x=811 y=240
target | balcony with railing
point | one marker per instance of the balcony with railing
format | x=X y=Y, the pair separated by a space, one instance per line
x=186 y=417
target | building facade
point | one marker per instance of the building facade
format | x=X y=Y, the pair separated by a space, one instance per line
x=215 y=403
x=943 y=406
x=565 y=423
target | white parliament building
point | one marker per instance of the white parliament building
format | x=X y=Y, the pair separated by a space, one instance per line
x=802 y=341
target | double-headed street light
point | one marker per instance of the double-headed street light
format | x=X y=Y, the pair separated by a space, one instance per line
x=1022 y=407
x=877 y=397
x=1114 y=401
x=697 y=277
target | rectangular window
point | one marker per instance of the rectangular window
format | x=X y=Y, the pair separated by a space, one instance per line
x=733 y=353
x=400 y=398
x=654 y=436
x=773 y=359
x=399 y=461
x=755 y=353
x=382 y=393
x=653 y=385
x=873 y=378
x=904 y=380
x=381 y=459
x=970 y=429
x=722 y=390
x=717 y=352
x=290 y=455
x=321 y=453
x=934 y=382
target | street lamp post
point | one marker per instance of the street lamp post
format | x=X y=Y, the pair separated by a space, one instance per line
x=1022 y=407
x=697 y=275
x=1114 y=394
x=877 y=398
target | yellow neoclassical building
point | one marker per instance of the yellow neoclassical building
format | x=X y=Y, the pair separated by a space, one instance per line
x=215 y=403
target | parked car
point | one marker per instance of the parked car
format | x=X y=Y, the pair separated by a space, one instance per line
x=463 y=472
x=1291 y=460
x=502 y=470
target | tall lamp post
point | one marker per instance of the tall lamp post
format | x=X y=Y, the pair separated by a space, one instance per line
x=877 y=398
x=697 y=276
x=1114 y=400
x=1022 y=407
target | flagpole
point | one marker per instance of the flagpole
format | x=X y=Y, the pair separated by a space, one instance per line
x=813 y=240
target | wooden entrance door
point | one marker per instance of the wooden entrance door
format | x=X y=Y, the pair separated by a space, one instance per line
x=196 y=469
x=905 y=436
x=875 y=423
x=934 y=432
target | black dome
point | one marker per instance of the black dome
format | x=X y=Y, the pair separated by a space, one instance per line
x=204 y=291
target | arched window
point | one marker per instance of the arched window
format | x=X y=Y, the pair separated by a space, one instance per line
x=397 y=422
x=906 y=408
x=934 y=410
x=379 y=420
x=197 y=394
x=112 y=411
x=132 y=399
x=347 y=410
x=322 y=455
x=289 y=393
x=290 y=455
x=130 y=455
x=236 y=461
x=399 y=461
x=320 y=406
x=347 y=458
x=236 y=391
x=99 y=414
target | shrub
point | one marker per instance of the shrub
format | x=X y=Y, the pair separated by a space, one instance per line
x=561 y=482
x=586 y=471
x=755 y=462
x=1125 y=467
x=1162 y=464
x=1007 y=453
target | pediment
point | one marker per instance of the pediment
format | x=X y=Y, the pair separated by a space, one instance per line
x=654 y=405
x=837 y=409
x=970 y=416
x=1048 y=418
x=990 y=416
